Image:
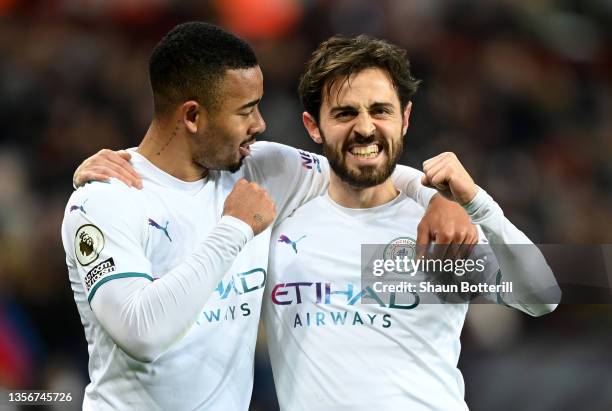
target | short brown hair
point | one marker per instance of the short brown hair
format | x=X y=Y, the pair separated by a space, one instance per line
x=339 y=57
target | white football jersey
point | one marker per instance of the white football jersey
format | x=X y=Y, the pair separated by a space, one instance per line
x=111 y=232
x=332 y=351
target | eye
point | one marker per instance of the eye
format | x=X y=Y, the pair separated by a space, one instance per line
x=247 y=113
x=344 y=114
x=381 y=111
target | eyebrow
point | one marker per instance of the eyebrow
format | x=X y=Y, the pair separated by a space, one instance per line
x=351 y=108
x=381 y=105
x=250 y=104
x=342 y=108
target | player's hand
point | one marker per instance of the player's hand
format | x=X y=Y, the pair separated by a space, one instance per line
x=251 y=204
x=106 y=164
x=448 y=227
x=446 y=174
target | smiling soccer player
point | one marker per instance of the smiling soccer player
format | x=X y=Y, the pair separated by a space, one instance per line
x=334 y=343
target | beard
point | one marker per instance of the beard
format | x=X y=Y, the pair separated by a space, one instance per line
x=232 y=168
x=365 y=176
x=214 y=154
x=216 y=165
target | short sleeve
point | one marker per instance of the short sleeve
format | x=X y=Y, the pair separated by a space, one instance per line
x=104 y=235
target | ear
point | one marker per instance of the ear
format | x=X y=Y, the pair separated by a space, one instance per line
x=406 y=117
x=192 y=114
x=311 y=126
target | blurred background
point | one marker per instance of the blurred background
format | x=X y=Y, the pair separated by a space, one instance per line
x=521 y=90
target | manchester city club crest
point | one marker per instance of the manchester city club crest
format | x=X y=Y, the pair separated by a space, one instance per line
x=403 y=248
x=88 y=243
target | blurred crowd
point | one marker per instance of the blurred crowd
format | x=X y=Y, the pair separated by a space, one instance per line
x=521 y=90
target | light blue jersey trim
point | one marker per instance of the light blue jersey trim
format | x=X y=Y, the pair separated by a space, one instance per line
x=114 y=277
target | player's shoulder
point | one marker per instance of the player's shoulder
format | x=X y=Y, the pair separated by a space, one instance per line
x=409 y=203
x=102 y=198
x=262 y=151
x=265 y=152
x=404 y=208
x=110 y=190
x=265 y=147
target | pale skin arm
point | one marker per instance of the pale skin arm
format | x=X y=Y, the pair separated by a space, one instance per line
x=444 y=222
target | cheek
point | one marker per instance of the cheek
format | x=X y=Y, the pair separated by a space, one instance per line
x=228 y=137
x=336 y=135
x=393 y=133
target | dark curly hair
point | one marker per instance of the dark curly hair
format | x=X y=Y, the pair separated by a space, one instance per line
x=337 y=58
x=189 y=62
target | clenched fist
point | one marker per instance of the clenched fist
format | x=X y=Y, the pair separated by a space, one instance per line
x=446 y=174
x=251 y=204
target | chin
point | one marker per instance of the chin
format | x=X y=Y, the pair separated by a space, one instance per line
x=360 y=175
x=364 y=177
x=232 y=168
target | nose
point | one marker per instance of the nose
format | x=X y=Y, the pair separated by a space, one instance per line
x=259 y=125
x=364 y=125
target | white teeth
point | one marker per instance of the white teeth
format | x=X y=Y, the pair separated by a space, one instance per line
x=366 y=152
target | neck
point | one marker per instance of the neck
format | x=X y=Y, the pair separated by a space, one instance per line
x=352 y=197
x=165 y=145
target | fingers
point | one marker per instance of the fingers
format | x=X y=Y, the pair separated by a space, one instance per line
x=425 y=180
x=118 y=162
x=118 y=172
x=434 y=163
x=434 y=160
x=438 y=173
x=92 y=176
x=125 y=155
x=459 y=246
x=471 y=241
x=252 y=204
x=439 y=169
x=97 y=173
x=441 y=245
x=446 y=173
x=462 y=244
x=78 y=179
x=424 y=237
x=107 y=164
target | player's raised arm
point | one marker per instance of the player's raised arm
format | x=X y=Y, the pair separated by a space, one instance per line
x=145 y=315
x=445 y=221
x=535 y=289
